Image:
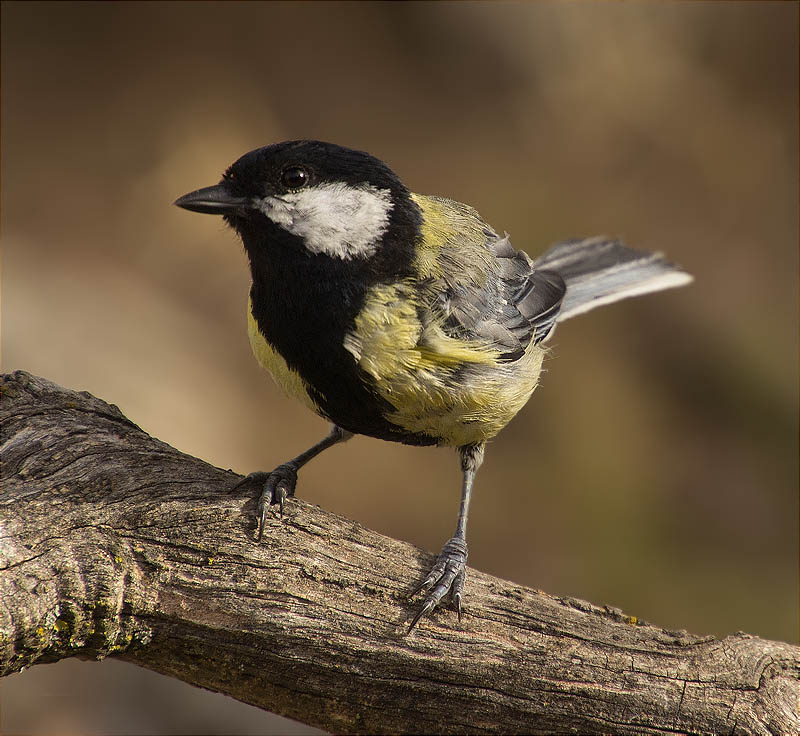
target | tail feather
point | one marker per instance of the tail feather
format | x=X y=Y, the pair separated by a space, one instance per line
x=599 y=271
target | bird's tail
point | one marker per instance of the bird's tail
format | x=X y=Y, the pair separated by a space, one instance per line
x=599 y=271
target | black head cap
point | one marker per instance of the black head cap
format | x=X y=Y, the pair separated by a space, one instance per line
x=281 y=167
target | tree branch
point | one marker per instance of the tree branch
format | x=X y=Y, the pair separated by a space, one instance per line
x=114 y=543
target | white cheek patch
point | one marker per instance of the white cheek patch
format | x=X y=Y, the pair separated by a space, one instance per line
x=336 y=219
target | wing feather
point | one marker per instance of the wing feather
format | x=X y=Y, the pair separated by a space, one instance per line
x=480 y=288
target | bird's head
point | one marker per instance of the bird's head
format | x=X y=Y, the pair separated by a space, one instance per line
x=331 y=201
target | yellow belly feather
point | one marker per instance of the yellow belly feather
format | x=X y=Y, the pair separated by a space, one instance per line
x=452 y=389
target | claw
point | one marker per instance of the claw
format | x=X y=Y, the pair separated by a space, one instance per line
x=276 y=487
x=456 y=592
x=433 y=576
x=424 y=611
x=447 y=575
x=262 y=518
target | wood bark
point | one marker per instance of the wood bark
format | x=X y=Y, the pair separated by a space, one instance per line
x=113 y=543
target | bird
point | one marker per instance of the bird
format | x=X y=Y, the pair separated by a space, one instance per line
x=401 y=316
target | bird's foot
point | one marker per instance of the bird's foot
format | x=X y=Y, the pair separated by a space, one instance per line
x=448 y=574
x=275 y=487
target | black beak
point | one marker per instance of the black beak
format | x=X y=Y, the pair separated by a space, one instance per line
x=216 y=200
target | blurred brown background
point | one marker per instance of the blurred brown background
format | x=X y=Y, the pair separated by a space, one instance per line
x=656 y=467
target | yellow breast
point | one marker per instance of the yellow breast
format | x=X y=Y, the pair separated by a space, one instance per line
x=455 y=390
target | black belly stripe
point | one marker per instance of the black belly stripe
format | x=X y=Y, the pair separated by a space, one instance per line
x=304 y=306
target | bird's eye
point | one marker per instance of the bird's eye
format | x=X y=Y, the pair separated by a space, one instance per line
x=295 y=177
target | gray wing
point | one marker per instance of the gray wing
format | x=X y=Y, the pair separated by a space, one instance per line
x=517 y=304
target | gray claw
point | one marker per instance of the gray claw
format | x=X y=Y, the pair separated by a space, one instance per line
x=457 y=591
x=262 y=517
x=424 y=611
x=448 y=574
x=276 y=487
x=428 y=582
x=280 y=494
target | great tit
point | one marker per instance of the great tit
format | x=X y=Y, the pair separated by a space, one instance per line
x=398 y=315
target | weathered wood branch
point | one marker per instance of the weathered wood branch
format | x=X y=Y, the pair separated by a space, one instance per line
x=114 y=543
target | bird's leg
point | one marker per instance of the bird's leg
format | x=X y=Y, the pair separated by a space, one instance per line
x=278 y=485
x=450 y=571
